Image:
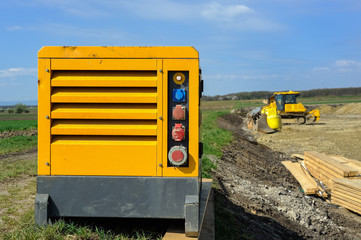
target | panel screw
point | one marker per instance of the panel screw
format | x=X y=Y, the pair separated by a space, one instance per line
x=47 y=163
x=160 y=70
x=47 y=117
x=160 y=118
x=47 y=70
x=160 y=165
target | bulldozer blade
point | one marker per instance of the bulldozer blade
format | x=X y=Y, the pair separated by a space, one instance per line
x=262 y=125
x=313 y=115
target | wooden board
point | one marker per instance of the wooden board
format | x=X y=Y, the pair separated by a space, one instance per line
x=347 y=193
x=346 y=204
x=338 y=166
x=336 y=187
x=353 y=164
x=353 y=161
x=325 y=172
x=326 y=180
x=326 y=166
x=351 y=183
x=321 y=164
x=347 y=196
x=351 y=195
x=307 y=183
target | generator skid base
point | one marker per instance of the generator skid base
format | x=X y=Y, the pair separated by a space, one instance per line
x=125 y=197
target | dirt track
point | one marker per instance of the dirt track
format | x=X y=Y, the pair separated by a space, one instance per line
x=264 y=196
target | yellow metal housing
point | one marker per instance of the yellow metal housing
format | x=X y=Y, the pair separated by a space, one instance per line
x=103 y=110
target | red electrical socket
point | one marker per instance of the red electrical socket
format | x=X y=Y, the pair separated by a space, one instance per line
x=178 y=132
x=179 y=112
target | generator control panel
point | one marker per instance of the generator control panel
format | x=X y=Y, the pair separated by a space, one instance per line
x=178 y=123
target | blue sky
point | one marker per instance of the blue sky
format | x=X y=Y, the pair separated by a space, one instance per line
x=249 y=45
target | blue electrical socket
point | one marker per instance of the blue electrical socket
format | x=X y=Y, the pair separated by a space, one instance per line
x=179 y=95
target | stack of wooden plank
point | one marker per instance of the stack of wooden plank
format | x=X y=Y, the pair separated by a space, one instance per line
x=326 y=168
x=347 y=193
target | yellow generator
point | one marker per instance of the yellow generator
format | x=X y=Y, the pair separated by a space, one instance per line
x=119 y=133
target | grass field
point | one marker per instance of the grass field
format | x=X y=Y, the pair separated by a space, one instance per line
x=9 y=125
x=330 y=100
x=17 y=144
x=228 y=105
x=213 y=139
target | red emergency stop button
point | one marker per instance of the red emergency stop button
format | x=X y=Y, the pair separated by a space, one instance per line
x=178 y=132
x=177 y=155
x=179 y=112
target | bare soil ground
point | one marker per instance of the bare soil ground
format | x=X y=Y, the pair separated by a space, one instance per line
x=13 y=133
x=265 y=198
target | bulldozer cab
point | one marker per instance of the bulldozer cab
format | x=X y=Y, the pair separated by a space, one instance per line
x=291 y=98
x=282 y=99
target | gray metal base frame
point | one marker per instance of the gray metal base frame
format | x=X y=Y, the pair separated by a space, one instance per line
x=126 y=197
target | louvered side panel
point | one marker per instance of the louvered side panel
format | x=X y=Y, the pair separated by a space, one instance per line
x=104 y=127
x=104 y=79
x=104 y=111
x=104 y=123
x=104 y=95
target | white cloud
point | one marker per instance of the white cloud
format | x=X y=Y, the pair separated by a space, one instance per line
x=13 y=28
x=238 y=17
x=224 y=13
x=16 y=72
x=320 y=68
x=347 y=63
x=340 y=66
x=226 y=16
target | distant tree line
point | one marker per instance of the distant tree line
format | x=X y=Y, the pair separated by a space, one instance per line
x=325 y=92
x=17 y=108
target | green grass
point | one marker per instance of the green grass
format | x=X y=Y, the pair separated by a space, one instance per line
x=13 y=169
x=18 y=125
x=62 y=230
x=213 y=138
x=17 y=143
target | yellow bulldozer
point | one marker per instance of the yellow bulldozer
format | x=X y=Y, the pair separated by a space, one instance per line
x=281 y=105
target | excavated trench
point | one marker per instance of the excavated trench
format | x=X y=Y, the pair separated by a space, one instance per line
x=266 y=200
